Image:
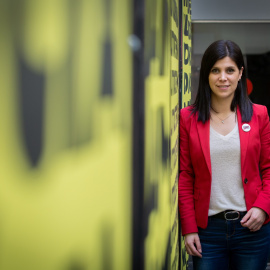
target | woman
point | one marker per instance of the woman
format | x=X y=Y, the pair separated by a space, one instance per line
x=224 y=182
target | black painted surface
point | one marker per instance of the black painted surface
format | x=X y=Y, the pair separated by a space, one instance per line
x=31 y=93
x=138 y=229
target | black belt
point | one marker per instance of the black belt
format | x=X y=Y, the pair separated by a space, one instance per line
x=229 y=215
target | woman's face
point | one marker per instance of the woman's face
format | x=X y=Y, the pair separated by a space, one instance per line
x=223 y=78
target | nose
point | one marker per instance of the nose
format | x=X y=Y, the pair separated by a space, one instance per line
x=222 y=76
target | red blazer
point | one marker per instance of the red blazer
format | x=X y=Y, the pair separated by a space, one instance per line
x=194 y=185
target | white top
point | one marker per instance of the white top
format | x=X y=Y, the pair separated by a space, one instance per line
x=226 y=189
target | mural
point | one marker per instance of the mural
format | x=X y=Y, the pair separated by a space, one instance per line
x=66 y=140
x=66 y=134
x=186 y=53
x=186 y=86
x=161 y=134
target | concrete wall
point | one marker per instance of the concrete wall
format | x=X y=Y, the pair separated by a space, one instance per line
x=230 y=10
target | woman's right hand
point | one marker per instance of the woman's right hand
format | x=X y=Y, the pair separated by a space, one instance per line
x=193 y=244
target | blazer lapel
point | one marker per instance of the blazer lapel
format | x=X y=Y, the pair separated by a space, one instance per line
x=204 y=135
x=244 y=137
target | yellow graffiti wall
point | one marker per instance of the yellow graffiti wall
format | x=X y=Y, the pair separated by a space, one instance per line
x=66 y=134
x=174 y=130
x=186 y=86
x=186 y=53
x=161 y=43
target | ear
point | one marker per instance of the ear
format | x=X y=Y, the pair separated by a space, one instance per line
x=240 y=73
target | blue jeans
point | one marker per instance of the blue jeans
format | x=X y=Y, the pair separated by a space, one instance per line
x=226 y=245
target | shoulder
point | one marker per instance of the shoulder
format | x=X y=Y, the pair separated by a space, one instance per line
x=259 y=110
x=187 y=112
x=261 y=114
x=187 y=117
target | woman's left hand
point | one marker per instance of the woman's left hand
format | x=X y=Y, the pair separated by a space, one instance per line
x=254 y=219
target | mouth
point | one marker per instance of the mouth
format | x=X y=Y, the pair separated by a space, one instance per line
x=223 y=86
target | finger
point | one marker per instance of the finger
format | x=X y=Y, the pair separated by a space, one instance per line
x=255 y=229
x=195 y=252
x=257 y=226
x=249 y=224
x=188 y=250
x=187 y=247
x=246 y=217
x=254 y=223
x=245 y=224
x=191 y=250
x=198 y=244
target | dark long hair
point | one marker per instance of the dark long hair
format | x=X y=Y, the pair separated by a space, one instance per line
x=216 y=51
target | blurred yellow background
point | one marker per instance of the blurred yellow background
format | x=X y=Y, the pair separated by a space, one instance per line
x=66 y=164
x=66 y=141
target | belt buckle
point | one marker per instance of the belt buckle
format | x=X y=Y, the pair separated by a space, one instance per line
x=232 y=212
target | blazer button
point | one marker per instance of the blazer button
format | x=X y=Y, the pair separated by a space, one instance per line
x=245 y=181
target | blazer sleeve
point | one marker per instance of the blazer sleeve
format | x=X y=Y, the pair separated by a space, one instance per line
x=263 y=198
x=186 y=178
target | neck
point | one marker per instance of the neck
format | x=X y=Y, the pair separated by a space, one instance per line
x=221 y=106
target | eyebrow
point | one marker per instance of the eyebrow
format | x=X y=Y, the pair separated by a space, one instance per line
x=226 y=67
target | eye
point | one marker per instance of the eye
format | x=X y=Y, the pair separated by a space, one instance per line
x=214 y=70
x=230 y=70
